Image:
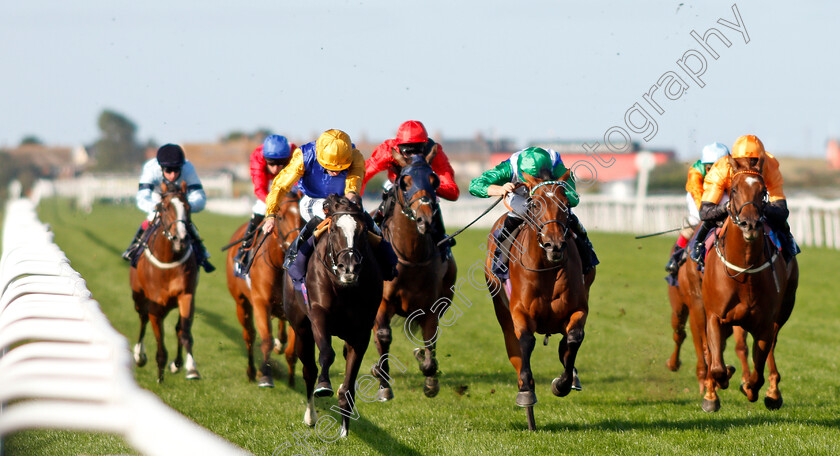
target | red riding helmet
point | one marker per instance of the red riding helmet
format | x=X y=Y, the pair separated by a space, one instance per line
x=412 y=131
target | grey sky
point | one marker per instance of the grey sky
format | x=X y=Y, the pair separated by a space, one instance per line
x=194 y=70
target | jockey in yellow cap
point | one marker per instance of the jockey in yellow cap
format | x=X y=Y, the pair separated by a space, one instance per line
x=718 y=182
x=331 y=164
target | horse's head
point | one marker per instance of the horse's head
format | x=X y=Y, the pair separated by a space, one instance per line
x=346 y=239
x=174 y=213
x=548 y=213
x=747 y=196
x=416 y=186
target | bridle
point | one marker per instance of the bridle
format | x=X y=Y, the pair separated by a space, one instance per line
x=167 y=232
x=538 y=228
x=332 y=256
x=407 y=198
x=734 y=214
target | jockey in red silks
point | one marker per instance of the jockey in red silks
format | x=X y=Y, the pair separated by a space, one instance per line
x=267 y=160
x=412 y=139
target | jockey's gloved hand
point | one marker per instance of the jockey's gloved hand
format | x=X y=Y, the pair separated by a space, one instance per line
x=712 y=212
x=355 y=199
x=776 y=212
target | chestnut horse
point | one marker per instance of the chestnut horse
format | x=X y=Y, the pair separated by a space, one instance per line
x=260 y=296
x=747 y=283
x=165 y=278
x=340 y=297
x=423 y=287
x=548 y=292
x=687 y=306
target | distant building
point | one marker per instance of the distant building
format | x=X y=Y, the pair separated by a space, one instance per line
x=832 y=153
x=229 y=157
x=51 y=161
x=471 y=157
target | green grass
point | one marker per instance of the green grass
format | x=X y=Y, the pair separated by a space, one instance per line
x=631 y=404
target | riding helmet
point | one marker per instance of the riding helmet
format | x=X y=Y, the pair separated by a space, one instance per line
x=713 y=152
x=412 y=131
x=333 y=150
x=747 y=146
x=532 y=160
x=170 y=156
x=276 y=147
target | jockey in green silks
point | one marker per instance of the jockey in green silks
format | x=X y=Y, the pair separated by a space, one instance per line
x=503 y=179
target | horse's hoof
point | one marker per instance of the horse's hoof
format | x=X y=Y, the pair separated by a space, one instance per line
x=730 y=370
x=560 y=388
x=323 y=389
x=193 y=374
x=160 y=378
x=141 y=359
x=279 y=347
x=419 y=355
x=526 y=398
x=385 y=394
x=174 y=368
x=431 y=387
x=266 y=382
x=773 y=404
x=576 y=380
x=674 y=365
x=711 y=405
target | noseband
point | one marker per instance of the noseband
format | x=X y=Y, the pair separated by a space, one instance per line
x=334 y=256
x=408 y=197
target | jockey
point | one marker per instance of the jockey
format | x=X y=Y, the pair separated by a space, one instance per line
x=323 y=167
x=412 y=139
x=717 y=184
x=266 y=162
x=169 y=166
x=694 y=188
x=502 y=180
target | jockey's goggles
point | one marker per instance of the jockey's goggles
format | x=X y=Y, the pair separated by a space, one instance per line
x=276 y=161
x=172 y=169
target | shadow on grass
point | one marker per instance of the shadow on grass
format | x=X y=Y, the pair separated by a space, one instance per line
x=700 y=422
x=234 y=333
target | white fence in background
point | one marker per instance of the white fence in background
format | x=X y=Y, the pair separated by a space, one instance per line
x=814 y=222
x=60 y=353
x=88 y=189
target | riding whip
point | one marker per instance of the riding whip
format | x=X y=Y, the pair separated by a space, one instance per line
x=657 y=234
x=447 y=238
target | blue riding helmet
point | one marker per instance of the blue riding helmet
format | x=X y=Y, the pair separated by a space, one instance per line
x=276 y=147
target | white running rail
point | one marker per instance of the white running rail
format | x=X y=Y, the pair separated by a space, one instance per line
x=59 y=352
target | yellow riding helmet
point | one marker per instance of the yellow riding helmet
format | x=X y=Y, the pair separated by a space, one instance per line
x=747 y=146
x=334 y=151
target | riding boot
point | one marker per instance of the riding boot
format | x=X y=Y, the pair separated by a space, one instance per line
x=370 y=224
x=387 y=259
x=297 y=256
x=439 y=234
x=673 y=265
x=242 y=259
x=587 y=252
x=788 y=245
x=500 y=265
x=698 y=253
x=135 y=243
x=202 y=255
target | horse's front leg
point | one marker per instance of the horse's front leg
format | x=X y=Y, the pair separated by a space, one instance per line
x=142 y=308
x=305 y=349
x=176 y=364
x=245 y=314
x=679 y=316
x=567 y=351
x=381 y=370
x=718 y=375
x=326 y=353
x=354 y=352
x=526 y=396
x=426 y=357
x=186 y=310
x=773 y=396
x=157 y=322
x=741 y=350
x=761 y=348
x=262 y=318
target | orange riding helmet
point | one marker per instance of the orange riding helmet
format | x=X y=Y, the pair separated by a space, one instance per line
x=748 y=146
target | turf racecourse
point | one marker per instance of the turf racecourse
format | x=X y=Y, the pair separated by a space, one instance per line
x=630 y=403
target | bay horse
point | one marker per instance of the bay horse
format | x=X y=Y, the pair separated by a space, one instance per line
x=747 y=283
x=687 y=306
x=260 y=296
x=548 y=293
x=165 y=278
x=423 y=287
x=340 y=297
